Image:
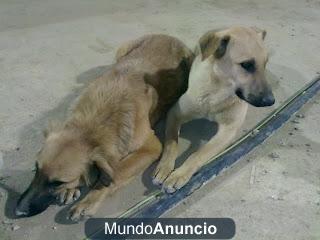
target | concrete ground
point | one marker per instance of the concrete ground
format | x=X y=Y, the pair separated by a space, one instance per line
x=49 y=50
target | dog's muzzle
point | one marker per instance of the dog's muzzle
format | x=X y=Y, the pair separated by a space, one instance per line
x=262 y=100
x=33 y=201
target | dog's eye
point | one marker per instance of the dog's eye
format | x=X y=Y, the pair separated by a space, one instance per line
x=249 y=66
x=56 y=183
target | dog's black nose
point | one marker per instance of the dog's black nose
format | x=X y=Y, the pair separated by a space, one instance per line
x=30 y=210
x=262 y=100
x=33 y=202
x=21 y=213
x=268 y=100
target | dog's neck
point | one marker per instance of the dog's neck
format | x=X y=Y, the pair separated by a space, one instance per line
x=206 y=78
x=69 y=136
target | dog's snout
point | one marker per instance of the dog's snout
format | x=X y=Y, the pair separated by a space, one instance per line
x=21 y=212
x=268 y=100
x=34 y=206
x=33 y=201
x=261 y=100
x=27 y=210
x=23 y=204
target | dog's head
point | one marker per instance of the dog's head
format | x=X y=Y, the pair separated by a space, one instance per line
x=61 y=164
x=239 y=56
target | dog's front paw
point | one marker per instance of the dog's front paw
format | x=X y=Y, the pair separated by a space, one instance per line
x=162 y=171
x=67 y=196
x=82 y=210
x=176 y=180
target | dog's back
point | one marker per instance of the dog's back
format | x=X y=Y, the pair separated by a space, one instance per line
x=149 y=75
x=164 y=63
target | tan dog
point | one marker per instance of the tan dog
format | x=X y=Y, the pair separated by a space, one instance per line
x=110 y=127
x=229 y=67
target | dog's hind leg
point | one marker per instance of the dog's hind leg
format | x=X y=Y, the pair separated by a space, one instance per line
x=122 y=173
x=139 y=160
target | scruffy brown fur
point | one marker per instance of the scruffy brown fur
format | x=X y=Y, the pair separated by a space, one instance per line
x=110 y=127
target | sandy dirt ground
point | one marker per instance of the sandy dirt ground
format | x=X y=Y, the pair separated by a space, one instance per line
x=50 y=50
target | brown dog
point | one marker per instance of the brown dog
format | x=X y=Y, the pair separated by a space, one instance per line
x=110 y=127
x=228 y=71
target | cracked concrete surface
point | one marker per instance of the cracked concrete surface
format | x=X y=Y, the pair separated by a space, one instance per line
x=49 y=50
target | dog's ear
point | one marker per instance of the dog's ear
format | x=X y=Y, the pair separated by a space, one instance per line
x=261 y=33
x=52 y=126
x=211 y=44
x=222 y=47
